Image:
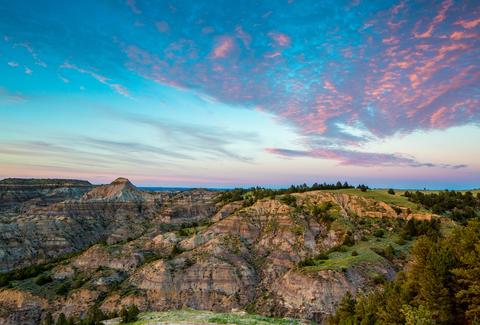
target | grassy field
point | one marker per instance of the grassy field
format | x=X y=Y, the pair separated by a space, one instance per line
x=382 y=195
x=190 y=316
x=366 y=252
x=397 y=199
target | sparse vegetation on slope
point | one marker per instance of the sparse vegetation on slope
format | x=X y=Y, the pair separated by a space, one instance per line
x=456 y=205
x=441 y=286
x=190 y=316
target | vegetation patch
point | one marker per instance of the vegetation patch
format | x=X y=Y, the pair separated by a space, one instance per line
x=190 y=316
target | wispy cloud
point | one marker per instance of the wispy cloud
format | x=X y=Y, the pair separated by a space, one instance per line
x=213 y=142
x=358 y=158
x=100 y=78
x=8 y=97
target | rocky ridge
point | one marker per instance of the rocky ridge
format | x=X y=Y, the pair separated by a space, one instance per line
x=168 y=250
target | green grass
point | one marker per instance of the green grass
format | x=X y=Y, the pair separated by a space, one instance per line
x=382 y=195
x=190 y=316
x=340 y=260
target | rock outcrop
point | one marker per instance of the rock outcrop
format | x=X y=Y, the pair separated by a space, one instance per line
x=168 y=250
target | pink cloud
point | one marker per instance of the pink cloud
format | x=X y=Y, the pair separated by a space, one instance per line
x=462 y=35
x=281 y=39
x=440 y=17
x=357 y=158
x=223 y=48
x=468 y=24
x=243 y=36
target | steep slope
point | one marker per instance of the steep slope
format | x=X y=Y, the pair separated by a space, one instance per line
x=110 y=213
x=165 y=251
x=120 y=190
x=18 y=194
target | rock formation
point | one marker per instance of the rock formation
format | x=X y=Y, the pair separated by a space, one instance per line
x=167 y=250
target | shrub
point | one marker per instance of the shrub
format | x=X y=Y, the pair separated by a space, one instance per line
x=307 y=262
x=61 y=320
x=354 y=253
x=379 y=279
x=322 y=256
x=130 y=314
x=48 y=319
x=378 y=233
x=63 y=289
x=43 y=279
x=391 y=191
x=289 y=200
x=349 y=241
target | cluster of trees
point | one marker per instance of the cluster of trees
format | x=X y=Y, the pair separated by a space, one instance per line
x=441 y=286
x=94 y=317
x=457 y=205
x=257 y=193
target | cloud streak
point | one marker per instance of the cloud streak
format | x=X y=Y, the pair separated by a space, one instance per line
x=358 y=158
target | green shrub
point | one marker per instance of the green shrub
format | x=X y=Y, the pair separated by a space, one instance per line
x=307 y=262
x=289 y=199
x=63 y=289
x=349 y=241
x=321 y=256
x=354 y=253
x=379 y=233
x=43 y=279
x=130 y=314
x=391 y=191
x=379 y=279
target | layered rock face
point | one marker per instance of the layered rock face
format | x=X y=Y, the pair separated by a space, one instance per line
x=110 y=213
x=20 y=194
x=169 y=250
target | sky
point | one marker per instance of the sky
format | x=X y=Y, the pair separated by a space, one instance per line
x=241 y=93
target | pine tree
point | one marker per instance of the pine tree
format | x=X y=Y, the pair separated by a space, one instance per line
x=467 y=275
x=48 y=319
x=61 y=320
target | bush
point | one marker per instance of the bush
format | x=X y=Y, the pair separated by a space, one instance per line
x=322 y=256
x=354 y=253
x=391 y=191
x=378 y=233
x=307 y=262
x=379 y=279
x=349 y=241
x=43 y=279
x=130 y=314
x=289 y=200
x=63 y=289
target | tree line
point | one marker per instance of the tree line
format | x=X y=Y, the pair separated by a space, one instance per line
x=251 y=195
x=456 y=205
x=441 y=285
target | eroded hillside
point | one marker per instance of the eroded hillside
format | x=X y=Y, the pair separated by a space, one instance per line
x=289 y=255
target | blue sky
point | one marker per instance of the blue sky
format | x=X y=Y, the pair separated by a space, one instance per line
x=215 y=93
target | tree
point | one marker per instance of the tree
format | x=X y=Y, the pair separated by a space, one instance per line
x=345 y=312
x=129 y=314
x=133 y=313
x=61 y=320
x=431 y=275
x=466 y=243
x=417 y=316
x=391 y=191
x=48 y=319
